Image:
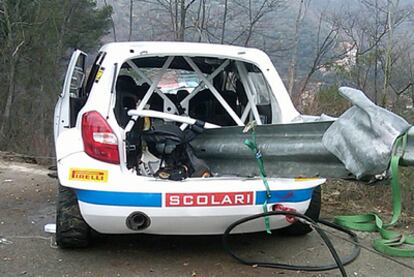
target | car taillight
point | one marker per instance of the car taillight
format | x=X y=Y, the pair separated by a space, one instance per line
x=99 y=140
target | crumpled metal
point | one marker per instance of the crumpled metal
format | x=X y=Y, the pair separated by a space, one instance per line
x=362 y=138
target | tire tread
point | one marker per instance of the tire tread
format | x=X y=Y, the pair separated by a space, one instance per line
x=71 y=229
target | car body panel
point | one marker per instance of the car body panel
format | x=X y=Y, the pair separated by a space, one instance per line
x=62 y=108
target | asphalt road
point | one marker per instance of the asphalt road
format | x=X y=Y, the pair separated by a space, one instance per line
x=27 y=203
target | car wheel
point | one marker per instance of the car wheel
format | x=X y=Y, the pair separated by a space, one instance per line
x=298 y=228
x=71 y=229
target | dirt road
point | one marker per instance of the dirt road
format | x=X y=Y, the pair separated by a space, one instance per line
x=27 y=203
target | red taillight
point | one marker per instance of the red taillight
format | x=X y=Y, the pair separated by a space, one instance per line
x=99 y=140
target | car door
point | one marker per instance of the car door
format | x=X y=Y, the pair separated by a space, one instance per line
x=71 y=98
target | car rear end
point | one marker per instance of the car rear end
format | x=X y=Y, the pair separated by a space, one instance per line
x=113 y=198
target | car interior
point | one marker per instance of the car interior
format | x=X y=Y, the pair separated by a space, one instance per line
x=218 y=92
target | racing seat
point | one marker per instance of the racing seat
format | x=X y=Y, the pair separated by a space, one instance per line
x=200 y=105
x=221 y=116
x=126 y=98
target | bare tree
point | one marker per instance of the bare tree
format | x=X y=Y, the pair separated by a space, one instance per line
x=326 y=51
x=200 y=23
x=255 y=12
x=223 y=25
x=131 y=9
x=177 y=11
x=112 y=21
x=303 y=5
x=401 y=78
x=391 y=7
x=370 y=29
x=376 y=52
x=183 y=14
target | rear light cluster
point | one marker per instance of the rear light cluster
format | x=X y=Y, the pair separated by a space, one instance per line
x=99 y=140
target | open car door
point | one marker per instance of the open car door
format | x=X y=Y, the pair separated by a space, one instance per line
x=70 y=100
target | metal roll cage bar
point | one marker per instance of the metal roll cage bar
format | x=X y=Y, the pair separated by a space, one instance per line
x=206 y=81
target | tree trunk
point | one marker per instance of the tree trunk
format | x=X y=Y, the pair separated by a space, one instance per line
x=249 y=33
x=176 y=29
x=223 y=26
x=131 y=6
x=376 y=55
x=294 y=57
x=11 y=65
x=388 y=53
x=9 y=101
x=183 y=12
x=112 y=22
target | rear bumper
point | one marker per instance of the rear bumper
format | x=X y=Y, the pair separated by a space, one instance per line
x=193 y=206
x=181 y=221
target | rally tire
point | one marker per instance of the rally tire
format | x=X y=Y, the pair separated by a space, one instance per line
x=71 y=229
x=298 y=228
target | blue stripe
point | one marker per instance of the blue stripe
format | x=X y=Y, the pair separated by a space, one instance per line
x=154 y=199
x=116 y=198
x=277 y=196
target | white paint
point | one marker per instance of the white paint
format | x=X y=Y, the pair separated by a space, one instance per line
x=62 y=111
x=50 y=228
x=182 y=220
x=167 y=116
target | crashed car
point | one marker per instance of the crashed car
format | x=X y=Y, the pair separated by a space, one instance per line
x=124 y=132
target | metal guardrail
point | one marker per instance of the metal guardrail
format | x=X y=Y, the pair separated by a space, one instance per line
x=408 y=156
x=289 y=150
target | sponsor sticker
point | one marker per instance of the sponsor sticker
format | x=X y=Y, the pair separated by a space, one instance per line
x=99 y=74
x=86 y=174
x=205 y=199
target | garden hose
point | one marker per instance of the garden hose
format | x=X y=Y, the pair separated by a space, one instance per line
x=339 y=262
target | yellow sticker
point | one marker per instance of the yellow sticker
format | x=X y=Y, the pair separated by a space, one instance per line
x=89 y=175
x=99 y=74
x=147 y=123
x=299 y=179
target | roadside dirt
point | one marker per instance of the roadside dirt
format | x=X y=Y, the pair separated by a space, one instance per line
x=27 y=203
x=341 y=197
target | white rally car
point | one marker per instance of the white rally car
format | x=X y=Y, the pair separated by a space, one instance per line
x=123 y=142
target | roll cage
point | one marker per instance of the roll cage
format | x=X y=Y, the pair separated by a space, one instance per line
x=207 y=70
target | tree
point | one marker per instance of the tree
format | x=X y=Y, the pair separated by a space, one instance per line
x=375 y=48
x=256 y=11
x=326 y=52
x=14 y=22
x=34 y=40
x=303 y=5
x=177 y=12
x=223 y=25
x=113 y=22
x=131 y=9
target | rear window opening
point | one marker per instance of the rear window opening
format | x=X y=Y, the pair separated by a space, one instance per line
x=163 y=103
